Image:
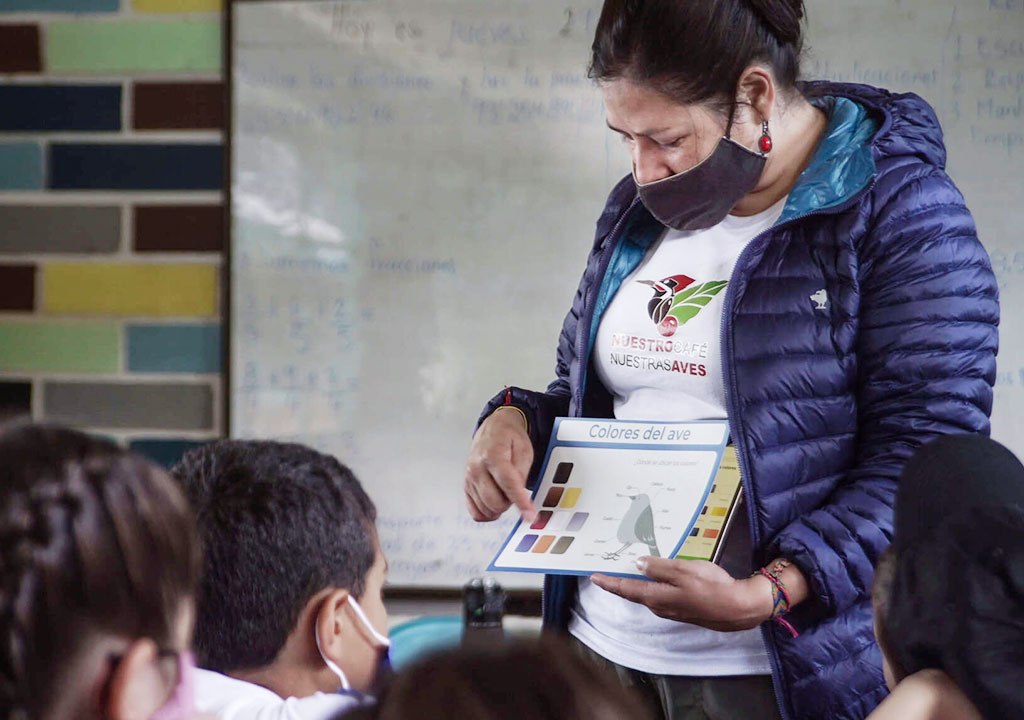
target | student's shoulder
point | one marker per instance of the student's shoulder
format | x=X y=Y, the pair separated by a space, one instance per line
x=321 y=706
x=926 y=695
x=228 y=698
x=216 y=692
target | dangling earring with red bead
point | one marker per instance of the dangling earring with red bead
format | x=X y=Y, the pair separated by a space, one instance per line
x=765 y=143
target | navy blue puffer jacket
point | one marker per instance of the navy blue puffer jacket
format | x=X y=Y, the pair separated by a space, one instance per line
x=824 y=405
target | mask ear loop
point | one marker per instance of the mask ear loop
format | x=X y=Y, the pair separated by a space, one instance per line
x=732 y=119
x=383 y=640
x=764 y=143
x=331 y=665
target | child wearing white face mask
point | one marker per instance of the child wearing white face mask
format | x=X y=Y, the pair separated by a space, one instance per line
x=290 y=617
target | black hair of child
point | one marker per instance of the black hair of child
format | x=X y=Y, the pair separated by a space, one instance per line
x=279 y=522
x=957 y=592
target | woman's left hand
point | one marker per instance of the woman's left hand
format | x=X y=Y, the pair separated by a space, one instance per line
x=696 y=592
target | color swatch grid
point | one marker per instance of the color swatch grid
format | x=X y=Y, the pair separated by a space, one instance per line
x=564 y=498
x=709 y=530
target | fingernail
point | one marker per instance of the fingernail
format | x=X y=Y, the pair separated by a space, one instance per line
x=641 y=564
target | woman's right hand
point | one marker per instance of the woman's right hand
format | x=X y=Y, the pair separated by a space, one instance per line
x=498 y=466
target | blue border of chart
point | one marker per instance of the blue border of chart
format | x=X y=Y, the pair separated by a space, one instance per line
x=718 y=449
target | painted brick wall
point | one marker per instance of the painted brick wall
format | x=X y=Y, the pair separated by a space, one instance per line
x=111 y=177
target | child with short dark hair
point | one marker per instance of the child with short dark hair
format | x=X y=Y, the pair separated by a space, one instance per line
x=948 y=595
x=290 y=599
x=515 y=680
x=98 y=565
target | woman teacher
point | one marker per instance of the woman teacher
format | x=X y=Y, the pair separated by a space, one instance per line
x=847 y=315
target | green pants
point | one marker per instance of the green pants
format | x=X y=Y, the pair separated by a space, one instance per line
x=676 y=697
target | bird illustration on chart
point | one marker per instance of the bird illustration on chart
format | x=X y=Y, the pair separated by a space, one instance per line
x=637 y=526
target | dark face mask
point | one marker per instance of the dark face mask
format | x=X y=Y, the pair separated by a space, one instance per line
x=702 y=196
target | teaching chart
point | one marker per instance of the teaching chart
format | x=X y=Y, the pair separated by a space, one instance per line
x=723 y=507
x=414 y=186
x=612 y=492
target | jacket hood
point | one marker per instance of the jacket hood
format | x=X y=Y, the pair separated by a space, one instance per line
x=868 y=129
x=908 y=126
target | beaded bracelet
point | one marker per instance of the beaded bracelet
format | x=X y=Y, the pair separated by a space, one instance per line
x=780 y=598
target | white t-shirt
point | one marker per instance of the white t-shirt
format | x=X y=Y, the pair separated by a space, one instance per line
x=659 y=351
x=231 y=699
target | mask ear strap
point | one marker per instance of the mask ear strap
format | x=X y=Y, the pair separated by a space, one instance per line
x=732 y=118
x=384 y=641
x=331 y=665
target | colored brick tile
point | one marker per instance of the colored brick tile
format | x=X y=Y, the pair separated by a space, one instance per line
x=60 y=107
x=166 y=453
x=129 y=405
x=74 y=6
x=122 y=166
x=176 y=6
x=17 y=287
x=20 y=45
x=40 y=346
x=179 y=228
x=133 y=46
x=178 y=106
x=59 y=229
x=15 y=400
x=130 y=289
x=174 y=348
x=21 y=166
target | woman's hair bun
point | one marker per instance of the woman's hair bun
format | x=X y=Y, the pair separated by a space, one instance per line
x=781 y=17
x=640 y=40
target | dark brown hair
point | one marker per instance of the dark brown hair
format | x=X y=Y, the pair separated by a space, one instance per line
x=541 y=680
x=93 y=541
x=695 y=50
x=881 y=602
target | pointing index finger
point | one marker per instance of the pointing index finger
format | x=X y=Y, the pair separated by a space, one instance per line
x=513 y=484
x=524 y=502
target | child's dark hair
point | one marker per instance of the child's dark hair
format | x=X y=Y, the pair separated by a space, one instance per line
x=542 y=680
x=956 y=598
x=94 y=541
x=695 y=50
x=279 y=523
x=881 y=602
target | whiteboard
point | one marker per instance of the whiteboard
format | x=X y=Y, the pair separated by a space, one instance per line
x=414 y=185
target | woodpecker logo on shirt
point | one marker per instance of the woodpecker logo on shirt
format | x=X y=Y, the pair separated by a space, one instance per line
x=677 y=299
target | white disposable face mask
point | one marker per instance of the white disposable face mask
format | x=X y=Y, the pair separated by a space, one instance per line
x=383 y=641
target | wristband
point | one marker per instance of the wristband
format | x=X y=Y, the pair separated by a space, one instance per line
x=508 y=404
x=780 y=598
